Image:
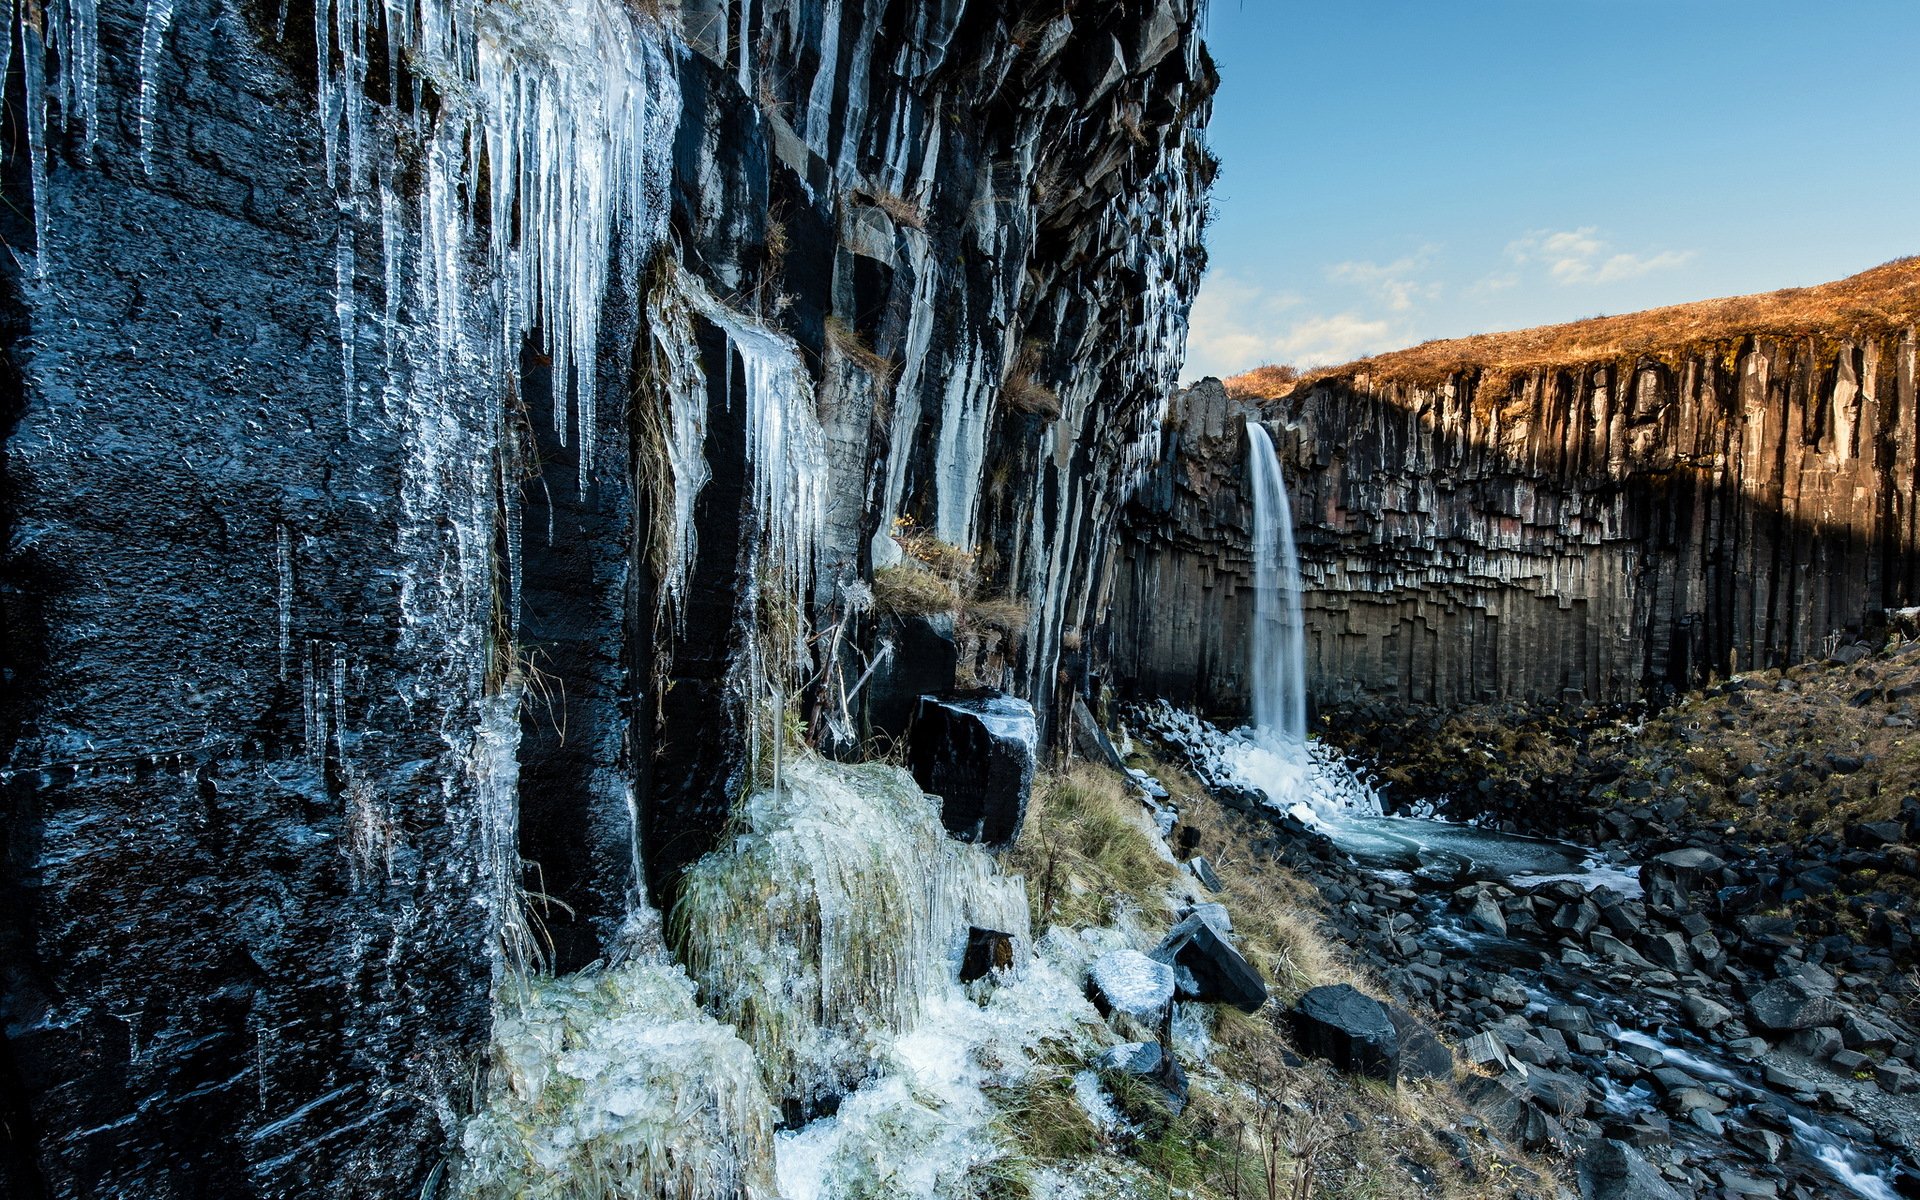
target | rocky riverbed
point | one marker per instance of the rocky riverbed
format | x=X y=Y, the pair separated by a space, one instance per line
x=1697 y=1003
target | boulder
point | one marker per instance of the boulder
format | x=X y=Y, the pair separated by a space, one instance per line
x=1789 y=1004
x=975 y=751
x=1703 y=1012
x=923 y=661
x=1349 y=1029
x=1128 y=981
x=1613 y=1170
x=1209 y=968
x=988 y=950
x=1090 y=741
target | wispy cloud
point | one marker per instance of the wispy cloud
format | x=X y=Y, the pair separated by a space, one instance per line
x=1395 y=284
x=1582 y=256
x=1238 y=325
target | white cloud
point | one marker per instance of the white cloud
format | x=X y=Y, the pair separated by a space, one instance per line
x=1579 y=256
x=1392 y=283
x=1237 y=326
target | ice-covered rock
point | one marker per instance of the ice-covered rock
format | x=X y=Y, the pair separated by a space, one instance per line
x=834 y=919
x=614 y=1082
x=1128 y=981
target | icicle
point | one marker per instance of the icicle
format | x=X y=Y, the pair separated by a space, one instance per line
x=152 y=38
x=6 y=39
x=343 y=308
x=33 y=55
x=746 y=44
x=283 y=554
x=338 y=680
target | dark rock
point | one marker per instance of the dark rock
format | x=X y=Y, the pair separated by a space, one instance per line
x=1872 y=835
x=1204 y=872
x=1091 y=741
x=1349 y=1029
x=1215 y=972
x=988 y=950
x=1789 y=1004
x=924 y=660
x=976 y=751
x=1422 y=1055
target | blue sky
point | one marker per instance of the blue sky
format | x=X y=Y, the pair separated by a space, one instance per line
x=1398 y=171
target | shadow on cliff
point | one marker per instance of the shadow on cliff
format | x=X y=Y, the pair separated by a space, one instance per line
x=1658 y=526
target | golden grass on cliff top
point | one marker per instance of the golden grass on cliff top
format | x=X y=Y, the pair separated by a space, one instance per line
x=1872 y=303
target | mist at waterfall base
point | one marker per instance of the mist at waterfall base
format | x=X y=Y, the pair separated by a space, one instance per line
x=1310 y=781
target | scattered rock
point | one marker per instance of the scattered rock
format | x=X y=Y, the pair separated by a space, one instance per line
x=1349 y=1029
x=988 y=950
x=1128 y=981
x=1211 y=970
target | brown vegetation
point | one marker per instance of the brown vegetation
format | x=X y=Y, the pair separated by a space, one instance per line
x=1875 y=303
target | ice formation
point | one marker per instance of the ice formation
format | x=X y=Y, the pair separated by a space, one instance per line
x=835 y=919
x=612 y=1082
x=927 y=1126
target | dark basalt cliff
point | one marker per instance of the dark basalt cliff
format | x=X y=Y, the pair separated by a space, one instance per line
x=354 y=646
x=1490 y=531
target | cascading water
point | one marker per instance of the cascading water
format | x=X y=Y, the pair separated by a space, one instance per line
x=1274 y=754
x=1279 y=636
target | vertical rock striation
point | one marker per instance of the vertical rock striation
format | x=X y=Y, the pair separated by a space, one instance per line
x=1484 y=530
x=400 y=579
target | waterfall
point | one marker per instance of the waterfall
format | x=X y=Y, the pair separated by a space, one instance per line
x=1274 y=755
x=1279 y=638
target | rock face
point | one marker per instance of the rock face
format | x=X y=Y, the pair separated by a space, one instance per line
x=369 y=581
x=1594 y=530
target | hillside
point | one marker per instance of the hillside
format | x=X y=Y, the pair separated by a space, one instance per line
x=1871 y=304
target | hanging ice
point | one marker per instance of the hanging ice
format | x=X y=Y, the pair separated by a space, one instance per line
x=153 y=34
x=835 y=919
x=612 y=1082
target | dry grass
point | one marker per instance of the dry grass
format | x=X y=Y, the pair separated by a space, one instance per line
x=909 y=591
x=898 y=208
x=1022 y=390
x=1263 y=383
x=1875 y=303
x=844 y=340
x=1086 y=855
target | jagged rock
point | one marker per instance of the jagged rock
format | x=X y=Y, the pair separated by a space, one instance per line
x=1135 y=1058
x=1504 y=1104
x=1128 y=981
x=1214 y=971
x=1484 y=911
x=924 y=659
x=1789 y=1004
x=1349 y=1029
x=976 y=751
x=1092 y=741
x=1422 y=1055
x=1705 y=1013
x=988 y=950
x=1203 y=871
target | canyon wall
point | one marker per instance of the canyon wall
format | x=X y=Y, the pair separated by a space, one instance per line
x=445 y=442
x=1597 y=530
